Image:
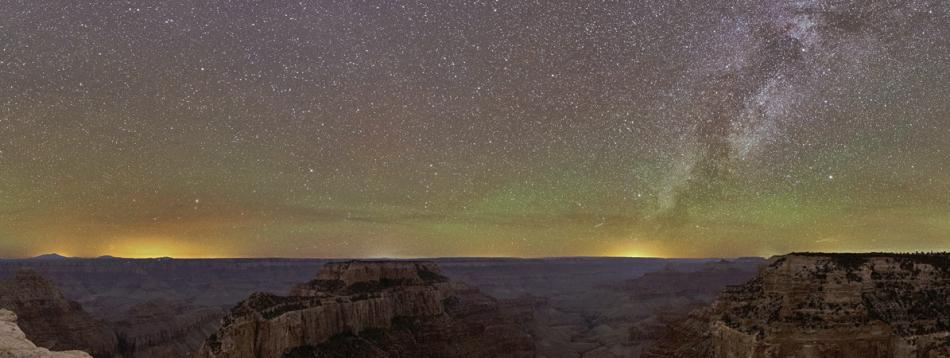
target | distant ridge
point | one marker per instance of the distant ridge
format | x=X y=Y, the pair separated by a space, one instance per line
x=53 y=256
x=58 y=257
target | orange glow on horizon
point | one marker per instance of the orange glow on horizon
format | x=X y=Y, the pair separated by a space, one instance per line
x=637 y=250
x=152 y=247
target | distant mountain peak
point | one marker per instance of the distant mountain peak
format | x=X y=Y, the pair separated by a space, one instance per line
x=53 y=256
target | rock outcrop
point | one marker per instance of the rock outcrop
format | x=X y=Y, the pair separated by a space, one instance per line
x=825 y=305
x=373 y=309
x=14 y=344
x=52 y=321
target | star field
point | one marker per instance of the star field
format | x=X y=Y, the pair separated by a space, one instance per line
x=471 y=128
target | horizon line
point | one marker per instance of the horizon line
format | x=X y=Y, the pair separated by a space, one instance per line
x=54 y=256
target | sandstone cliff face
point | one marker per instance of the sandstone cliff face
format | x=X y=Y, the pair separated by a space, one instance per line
x=13 y=342
x=372 y=309
x=50 y=320
x=835 y=305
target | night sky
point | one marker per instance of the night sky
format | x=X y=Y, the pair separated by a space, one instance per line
x=473 y=128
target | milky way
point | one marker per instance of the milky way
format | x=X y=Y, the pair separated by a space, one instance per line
x=447 y=128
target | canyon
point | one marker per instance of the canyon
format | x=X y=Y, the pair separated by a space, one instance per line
x=805 y=305
x=168 y=307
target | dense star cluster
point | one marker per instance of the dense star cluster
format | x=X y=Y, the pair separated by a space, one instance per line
x=461 y=127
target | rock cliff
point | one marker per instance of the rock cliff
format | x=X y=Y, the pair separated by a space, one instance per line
x=52 y=321
x=373 y=309
x=825 y=305
x=13 y=342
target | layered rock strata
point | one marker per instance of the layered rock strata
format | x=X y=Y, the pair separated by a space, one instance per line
x=373 y=309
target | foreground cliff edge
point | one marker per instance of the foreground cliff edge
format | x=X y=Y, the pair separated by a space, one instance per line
x=374 y=309
x=13 y=342
x=825 y=305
